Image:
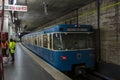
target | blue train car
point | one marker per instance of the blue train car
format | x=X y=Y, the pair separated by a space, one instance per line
x=66 y=46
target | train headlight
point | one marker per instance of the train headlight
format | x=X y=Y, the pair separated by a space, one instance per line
x=64 y=57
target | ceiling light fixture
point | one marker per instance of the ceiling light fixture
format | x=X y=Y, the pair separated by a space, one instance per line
x=45 y=7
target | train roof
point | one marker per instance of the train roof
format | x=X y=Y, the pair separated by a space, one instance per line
x=64 y=28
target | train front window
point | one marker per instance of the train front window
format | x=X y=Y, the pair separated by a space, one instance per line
x=57 y=41
x=72 y=41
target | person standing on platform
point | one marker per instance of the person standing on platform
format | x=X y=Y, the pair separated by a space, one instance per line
x=4 y=48
x=12 y=46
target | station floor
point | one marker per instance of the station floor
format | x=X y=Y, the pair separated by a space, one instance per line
x=25 y=68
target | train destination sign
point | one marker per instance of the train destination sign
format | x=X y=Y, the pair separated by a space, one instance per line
x=77 y=29
x=14 y=8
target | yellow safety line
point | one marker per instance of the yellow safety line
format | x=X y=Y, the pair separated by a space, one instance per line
x=111 y=5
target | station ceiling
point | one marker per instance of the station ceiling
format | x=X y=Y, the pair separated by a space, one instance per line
x=38 y=14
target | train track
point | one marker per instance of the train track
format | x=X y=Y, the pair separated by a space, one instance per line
x=101 y=76
x=90 y=76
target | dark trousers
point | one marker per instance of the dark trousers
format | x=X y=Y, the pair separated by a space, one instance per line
x=12 y=55
x=4 y=52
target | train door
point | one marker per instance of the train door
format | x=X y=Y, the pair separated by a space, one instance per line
x=48 y=41
x=37 y=39
x=51 y=41
x=41 y=40
x=45 y=41
x=51 y=58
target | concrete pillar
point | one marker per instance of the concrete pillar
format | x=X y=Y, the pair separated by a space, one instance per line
x=6 y=15
x=5 y=27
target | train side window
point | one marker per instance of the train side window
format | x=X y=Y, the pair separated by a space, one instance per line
x=49 y=41
x=39 y=41
x=45 y=41
x=28 y=40
x=35 y=40
x=32 y=40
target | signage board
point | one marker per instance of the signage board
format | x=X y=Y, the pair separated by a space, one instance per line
x=14 y=8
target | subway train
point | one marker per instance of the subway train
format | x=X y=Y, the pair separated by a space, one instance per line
x=67 y=47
